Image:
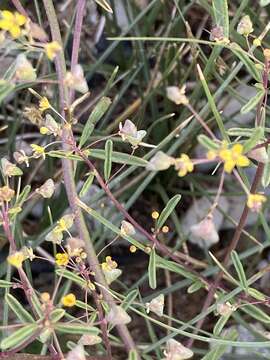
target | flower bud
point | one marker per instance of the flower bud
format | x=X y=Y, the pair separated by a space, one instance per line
x=177 y=95
x=160 y=161
x=156 y=305
x=10 y=169
x=127 y=228
x=117 y=316
x=206 y=230
x=245 y=26
x=47 y=189
x=176 y=351
x=24 y=69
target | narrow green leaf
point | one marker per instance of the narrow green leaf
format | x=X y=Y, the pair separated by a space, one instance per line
x=256 y=313
x=166 y=212
x=266 y=171
x=208 y=143
x=82 y=305
x=117 y=157
x=108 y=159
x=87 y=184
x=252 y=102
x=5 y=89
x=152 y=271
x=195 y=287
x=23 y=195
x=239 y=269
x=213 y=105
x=256 y=294
x=132 y=355
x=111 y=80
x=257 y=135
x=176 y=268
x=99 y=110
x=5 y=284
x=71 y=276
x=75 y=328
x=223 y=269
x=240 y=132
x=245 y=59
x=129 y=299
x=19 y=337
x=221 y=15
x=18 y=309
x=57 y=314
x=220 y=324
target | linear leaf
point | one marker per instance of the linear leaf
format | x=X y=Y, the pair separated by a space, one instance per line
x=208 y=143
x=252 y=102
x=71 y=276
x=131 y=296
x=74 y=328
x=212 y=104
x=18 y=309
x=266 y=171
x=166 y=212
x=117 y=157
x=152 y=270
x=256 y=313
x=217 y=352
x=220 y=324
x=19 y=337
x=239 y=269
x=99 y=110
x=57 y=314
x=257 y=135
x=132 y=355
x=249 y=64
x=5 y=284
x=88 y=182
x=108 y=159
x=221 y=15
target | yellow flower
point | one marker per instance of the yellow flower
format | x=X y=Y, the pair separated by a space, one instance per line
x=233 y=157
x=38 y=151
x=109 y=264
x=183 y=165
x=52 y=49
x=12 y=22
x=155 y=215
x=255 y=201
x=61 y=259
x=44 y=104
x=132 y=249
x=16 y=259
x=69 y=300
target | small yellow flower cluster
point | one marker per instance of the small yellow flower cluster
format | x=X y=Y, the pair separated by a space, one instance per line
x=183 y=165
x=44 y=104
x=38 y=151
x=16 y=259
x=12 y=22
x=65 y=223
x=69 y=300
x=51 y=49
x=61 y=259
x=231 y=157
x=255 y=201
x=109 y=264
